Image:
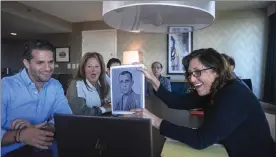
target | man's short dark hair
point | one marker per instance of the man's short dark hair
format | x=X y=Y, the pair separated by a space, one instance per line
x=112 y=61
x=158 y=63
x=229 y=59
x=126 y=72
x=36 y=45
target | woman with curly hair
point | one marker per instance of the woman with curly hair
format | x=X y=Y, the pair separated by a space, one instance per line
x=233 y=115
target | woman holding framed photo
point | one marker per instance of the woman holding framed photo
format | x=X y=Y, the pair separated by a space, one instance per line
x=233 y=115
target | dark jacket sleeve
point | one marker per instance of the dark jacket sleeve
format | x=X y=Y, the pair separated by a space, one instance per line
x=78 y=104
x=226 y=113
x=168 y=85
x=185 y=102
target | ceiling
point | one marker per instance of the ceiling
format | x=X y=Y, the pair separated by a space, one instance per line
x=72 y=11
x=81 y=11
x=24 y=27
x=75 y=11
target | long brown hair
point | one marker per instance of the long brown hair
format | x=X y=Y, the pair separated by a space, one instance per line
x=104 y=89
x=210 y=58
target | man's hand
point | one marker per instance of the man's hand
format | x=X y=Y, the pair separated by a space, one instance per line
x=36 y=137
x=18 y=124
x=49 y=127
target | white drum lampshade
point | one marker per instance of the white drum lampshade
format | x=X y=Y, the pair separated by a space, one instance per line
x=158 y=16
x=130 y=57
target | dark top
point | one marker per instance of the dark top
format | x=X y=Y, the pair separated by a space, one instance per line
x=235 y=119
x=243 y=83
x=165 y=82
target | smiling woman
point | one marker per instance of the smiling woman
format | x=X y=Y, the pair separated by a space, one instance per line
x=89 y=92
x=206 y=74
x=232 y=113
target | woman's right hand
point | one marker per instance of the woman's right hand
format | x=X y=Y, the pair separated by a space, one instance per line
x=154 y=81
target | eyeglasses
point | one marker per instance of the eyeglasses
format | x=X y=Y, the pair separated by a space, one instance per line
x=195 y=73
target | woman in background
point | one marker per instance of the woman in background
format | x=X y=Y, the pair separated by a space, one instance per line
x=89 y=92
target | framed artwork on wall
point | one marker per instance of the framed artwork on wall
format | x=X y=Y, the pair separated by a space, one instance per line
x=179 y=46
x=62 y=55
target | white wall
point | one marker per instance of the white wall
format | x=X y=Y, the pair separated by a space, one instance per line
x=242 y=35
x=101 y=41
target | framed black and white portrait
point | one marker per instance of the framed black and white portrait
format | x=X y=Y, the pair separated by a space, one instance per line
x=179 y=46
x=127 y=88
x=62 y=55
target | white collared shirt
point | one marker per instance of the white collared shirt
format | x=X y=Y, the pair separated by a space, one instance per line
x=91 y=94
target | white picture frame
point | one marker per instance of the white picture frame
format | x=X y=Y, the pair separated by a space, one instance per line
x=118 y=98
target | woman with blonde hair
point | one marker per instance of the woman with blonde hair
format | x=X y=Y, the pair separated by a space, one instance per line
x=89 y=93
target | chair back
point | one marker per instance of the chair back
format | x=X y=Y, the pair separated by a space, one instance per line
x=248 y=83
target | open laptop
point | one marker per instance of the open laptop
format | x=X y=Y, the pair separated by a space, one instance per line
x=89 y=136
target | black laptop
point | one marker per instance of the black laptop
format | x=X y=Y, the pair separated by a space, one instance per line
x=89 y=136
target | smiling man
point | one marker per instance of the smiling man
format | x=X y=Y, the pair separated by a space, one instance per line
x=29 y=100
